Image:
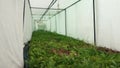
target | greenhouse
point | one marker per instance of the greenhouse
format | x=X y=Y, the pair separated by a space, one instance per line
x=59 y=34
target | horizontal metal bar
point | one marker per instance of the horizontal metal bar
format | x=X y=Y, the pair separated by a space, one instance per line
x=58 y=13
x=45 y=8
x=72 y=4
x=67 y=7
x=42 y=14
x=51 y=4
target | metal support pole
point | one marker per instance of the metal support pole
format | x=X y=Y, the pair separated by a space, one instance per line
x=30 y=8
x=94 y=22
x=56 y=23
x=65 y=22
x=50 y=25
x=24 y=12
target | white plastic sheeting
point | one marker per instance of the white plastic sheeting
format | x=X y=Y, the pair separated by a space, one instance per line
x=60 y=20
x=36 y=25
x=11 y=33
x=57 y=23
x=48 y=25
x=108 y=23
x=53 y=25
x=80 y=21
x=28 y=23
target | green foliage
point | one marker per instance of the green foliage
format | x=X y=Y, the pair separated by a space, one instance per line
x=51 y=50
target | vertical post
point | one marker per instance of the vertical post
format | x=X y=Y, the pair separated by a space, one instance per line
x=50 y=25
x=94 y=22
x=56 y=24
x=24 y=12
x=65 y=22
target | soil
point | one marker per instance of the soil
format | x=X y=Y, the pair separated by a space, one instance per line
x=107 y=50
x=60 y=51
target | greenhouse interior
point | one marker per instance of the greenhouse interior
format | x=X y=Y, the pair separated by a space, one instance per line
x=59 y=34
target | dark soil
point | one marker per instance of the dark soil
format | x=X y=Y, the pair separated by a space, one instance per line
x=60 y=52
x=107 y=50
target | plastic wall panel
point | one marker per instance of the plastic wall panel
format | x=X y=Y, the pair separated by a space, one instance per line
x=11 y=33
x=60 y=19
x=36 y=25
x=57 y=23
x=53 y=24
x=71 y=21
x=80 y=21
x=28 y=23
x=48 y=25
x=108 y=23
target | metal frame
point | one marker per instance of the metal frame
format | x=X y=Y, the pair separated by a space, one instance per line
x=24 y=12
x=51 y=4
x=94 y=19
x=72 y=4
x=50 y=26
x=30 y=6
x=42 y=14
x=66 y=14
x=67 y=7
x=94 y=16
x=94 y=22
x=65 y=22
x=56 y=24
x=58 y=12
x=45 y=8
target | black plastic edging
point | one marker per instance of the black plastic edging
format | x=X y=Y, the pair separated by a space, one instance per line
x=26 y=47
x=26 y=54
x=94 y=22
